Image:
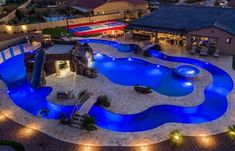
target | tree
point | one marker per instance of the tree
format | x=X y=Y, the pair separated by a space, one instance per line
x=19 y=14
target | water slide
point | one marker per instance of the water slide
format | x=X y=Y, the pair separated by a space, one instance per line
x=37 y=69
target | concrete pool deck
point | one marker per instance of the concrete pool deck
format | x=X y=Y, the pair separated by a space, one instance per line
x=108 y=138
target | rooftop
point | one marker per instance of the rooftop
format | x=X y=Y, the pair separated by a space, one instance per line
x=59 y=49
x=91 y=4
x=181 y=18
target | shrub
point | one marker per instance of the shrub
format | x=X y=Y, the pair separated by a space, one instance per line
x=231 y=131
x=81 y=93
x=103 y=100
x=176 y=138
x=89 y=123
x=63 y=119
x=146 y=54
x=19 y=14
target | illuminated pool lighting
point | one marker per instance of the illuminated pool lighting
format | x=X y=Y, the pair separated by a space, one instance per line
x=98 y=55
x=190 y=72
x=129 y=59
x=187 y=84
x=114 y=58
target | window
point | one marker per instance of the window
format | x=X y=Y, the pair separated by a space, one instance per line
x=228 y=40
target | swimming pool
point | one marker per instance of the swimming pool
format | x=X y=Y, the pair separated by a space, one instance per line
x=134 y=71
x=34 y=100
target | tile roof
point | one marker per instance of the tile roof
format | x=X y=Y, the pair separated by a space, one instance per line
x=187 y=18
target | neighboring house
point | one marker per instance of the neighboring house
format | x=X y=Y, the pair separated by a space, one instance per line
x=209 y=27
x=109 y=6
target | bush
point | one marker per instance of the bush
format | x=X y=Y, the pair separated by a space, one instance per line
x=103 y=100
x=146 y=54
x=15 y=145
x=81 y=93
x=89 y=123
x=64 y=120
x=231 y=131
x=176 y=138
x=19 y=14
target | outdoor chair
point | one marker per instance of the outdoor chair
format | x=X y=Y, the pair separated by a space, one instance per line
x=203 y=51
x=216 y=54
x=65 y=94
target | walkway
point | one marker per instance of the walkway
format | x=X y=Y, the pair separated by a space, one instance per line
x=86 y=107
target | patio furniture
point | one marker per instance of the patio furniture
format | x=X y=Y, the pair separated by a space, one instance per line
x=204 y=51
x=65 y=94
x=216 y=54
x=142 y=90
x=193 y=50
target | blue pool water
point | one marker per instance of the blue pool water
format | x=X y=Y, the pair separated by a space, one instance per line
x=133 y=71
x=186 y=71
x=213 y=107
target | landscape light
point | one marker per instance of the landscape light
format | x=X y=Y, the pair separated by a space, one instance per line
x=206 y=141
x=24 y=27
x=9 y=28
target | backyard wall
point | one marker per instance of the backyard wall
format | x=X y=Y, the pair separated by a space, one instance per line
x=46 y=25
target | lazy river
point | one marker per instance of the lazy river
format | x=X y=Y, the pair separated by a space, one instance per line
x=213 y=107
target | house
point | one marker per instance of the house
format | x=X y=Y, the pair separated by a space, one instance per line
x=98 y=7
x=211 y=27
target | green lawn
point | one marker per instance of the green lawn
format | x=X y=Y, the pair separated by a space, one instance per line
x=56 y=32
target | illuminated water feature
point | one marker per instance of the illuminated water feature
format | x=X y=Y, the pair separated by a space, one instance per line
x=213 y=107
x=186 y=71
